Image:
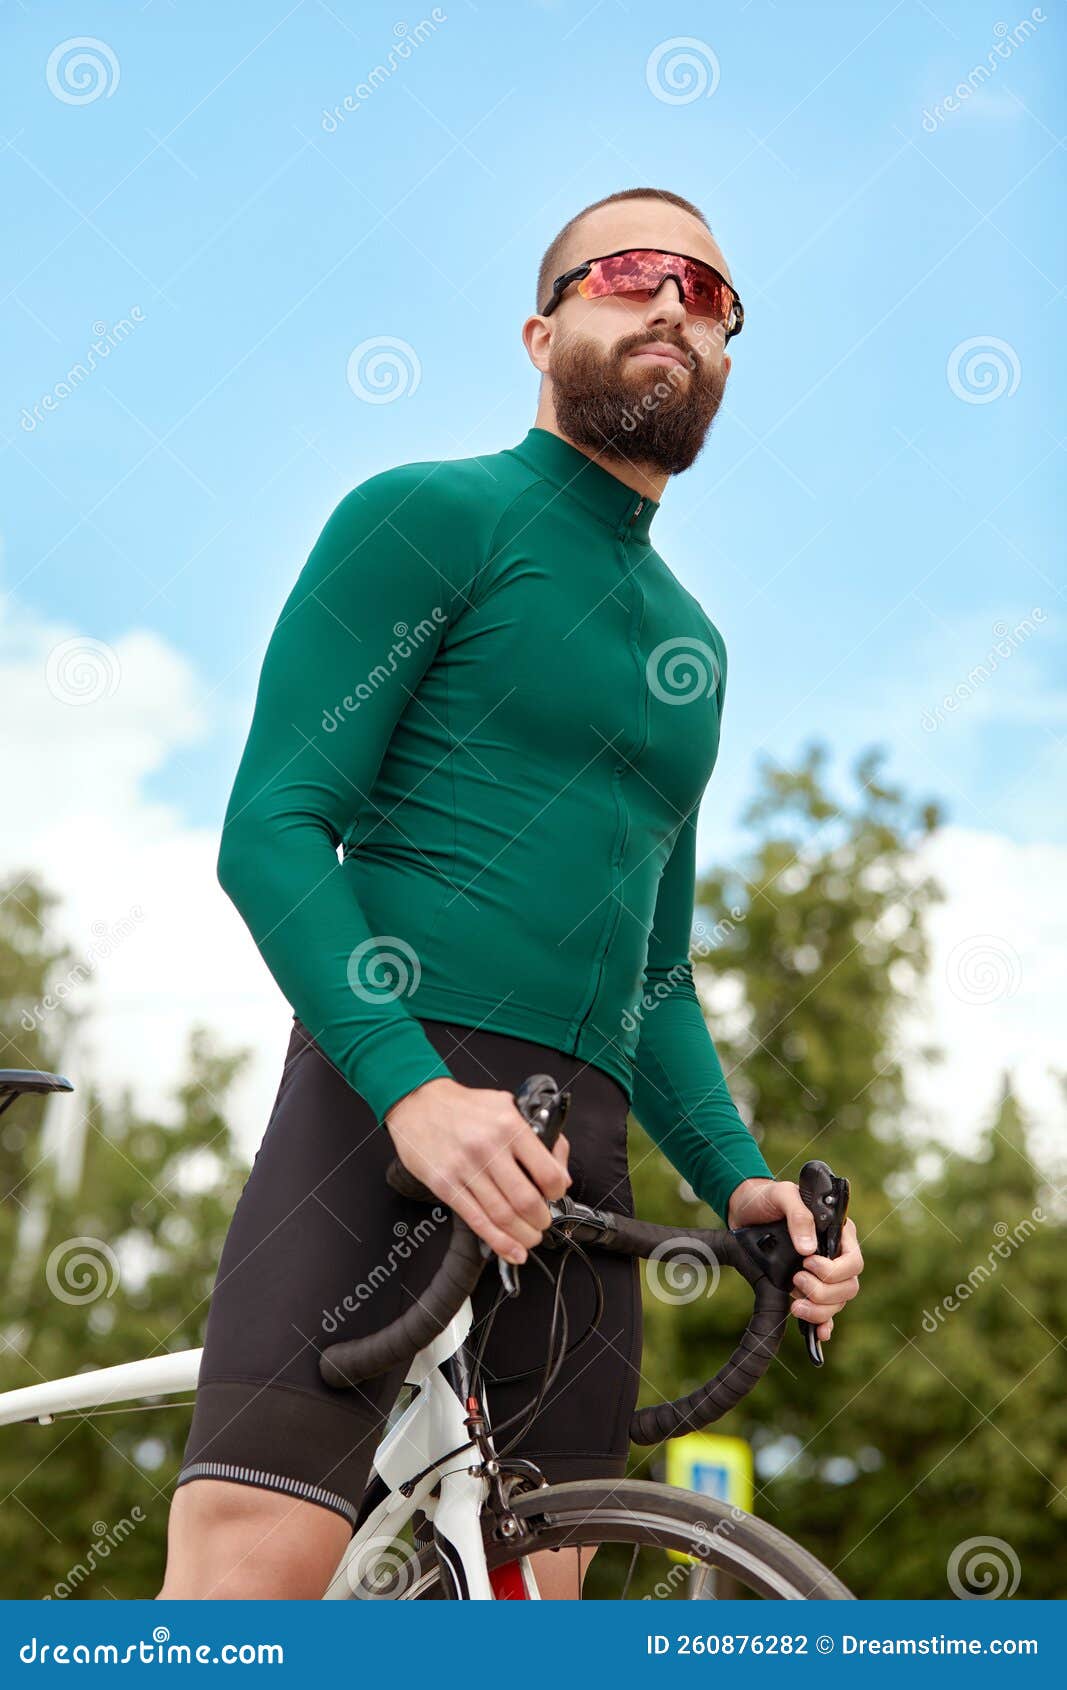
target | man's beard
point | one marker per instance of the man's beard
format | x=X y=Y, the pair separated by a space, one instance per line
x=656 y=414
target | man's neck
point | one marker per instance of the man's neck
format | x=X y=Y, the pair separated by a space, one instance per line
x=642 y=478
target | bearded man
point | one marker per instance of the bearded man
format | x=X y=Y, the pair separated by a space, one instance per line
x=489 y=690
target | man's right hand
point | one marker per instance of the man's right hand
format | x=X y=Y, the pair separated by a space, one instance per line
x=482 y=1157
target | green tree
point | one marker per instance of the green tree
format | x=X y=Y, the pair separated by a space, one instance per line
x=83 y=1502
x=30 y=960
x=877 y=1463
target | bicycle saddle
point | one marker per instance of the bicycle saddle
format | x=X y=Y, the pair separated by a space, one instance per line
x=15 y=1081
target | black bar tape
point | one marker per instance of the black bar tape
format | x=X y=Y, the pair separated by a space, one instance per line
x=365 y=1358
x=757 y=1349
x=405 y=1184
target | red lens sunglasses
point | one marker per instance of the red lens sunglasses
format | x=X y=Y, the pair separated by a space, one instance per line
x=641 y=271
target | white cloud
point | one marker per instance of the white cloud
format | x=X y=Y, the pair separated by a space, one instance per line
x=994 y=1000
x=85 y=826
x=90 y=832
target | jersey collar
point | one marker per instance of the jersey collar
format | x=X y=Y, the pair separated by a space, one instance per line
x=596 y=488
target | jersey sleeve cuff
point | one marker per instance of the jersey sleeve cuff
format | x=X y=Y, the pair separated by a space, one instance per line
x=743 y=1164
x=400 y=1060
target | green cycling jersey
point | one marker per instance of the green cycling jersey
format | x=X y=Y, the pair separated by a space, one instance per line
x=491 y=696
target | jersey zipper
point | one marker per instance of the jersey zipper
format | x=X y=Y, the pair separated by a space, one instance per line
x=622 y=832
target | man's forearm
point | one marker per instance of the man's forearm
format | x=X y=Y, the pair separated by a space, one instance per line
x=683 y=1101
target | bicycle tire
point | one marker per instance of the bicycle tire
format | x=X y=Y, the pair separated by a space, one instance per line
x=593 y=1512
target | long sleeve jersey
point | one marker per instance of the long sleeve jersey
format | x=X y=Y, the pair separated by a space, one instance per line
x=483 y=728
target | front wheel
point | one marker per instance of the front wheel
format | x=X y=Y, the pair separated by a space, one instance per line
x=652 y=1541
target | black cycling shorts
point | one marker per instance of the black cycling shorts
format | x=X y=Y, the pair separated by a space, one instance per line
x=320 y=1248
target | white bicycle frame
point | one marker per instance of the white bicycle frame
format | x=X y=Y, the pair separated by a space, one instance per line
x=432 y=1424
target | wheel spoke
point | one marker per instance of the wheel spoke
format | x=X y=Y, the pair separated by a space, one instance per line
x=630 y=1572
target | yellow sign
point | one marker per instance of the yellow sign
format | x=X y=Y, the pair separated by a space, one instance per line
x=714 y=1466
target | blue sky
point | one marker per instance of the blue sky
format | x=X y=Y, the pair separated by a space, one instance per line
x=882 y=495
x=854 y=526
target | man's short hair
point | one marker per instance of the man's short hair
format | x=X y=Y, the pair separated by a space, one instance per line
x=552 y=262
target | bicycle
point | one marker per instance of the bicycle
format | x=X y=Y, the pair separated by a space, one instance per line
x=476 y=1515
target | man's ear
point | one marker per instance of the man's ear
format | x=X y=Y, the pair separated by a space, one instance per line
x=537 y=339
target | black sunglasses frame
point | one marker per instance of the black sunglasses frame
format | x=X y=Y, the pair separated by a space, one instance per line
x=580 y=271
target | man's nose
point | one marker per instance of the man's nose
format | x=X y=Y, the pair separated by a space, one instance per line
x=666 y=306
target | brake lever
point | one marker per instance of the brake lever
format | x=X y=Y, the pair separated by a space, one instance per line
x=542 y=1103
x=825 y=1196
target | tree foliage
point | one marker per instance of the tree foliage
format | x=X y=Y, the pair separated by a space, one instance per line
x=910 y=1441
x=940 y=1416
x=111 y=1266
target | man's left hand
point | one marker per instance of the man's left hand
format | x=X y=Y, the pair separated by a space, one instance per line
x=822 y=1287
